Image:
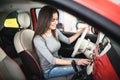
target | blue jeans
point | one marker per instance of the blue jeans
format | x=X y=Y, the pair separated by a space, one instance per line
x=58 y=70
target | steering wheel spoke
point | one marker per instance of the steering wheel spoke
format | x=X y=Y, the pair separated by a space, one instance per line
x=79 y=42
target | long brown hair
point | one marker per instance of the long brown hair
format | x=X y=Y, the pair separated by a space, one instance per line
x=43 y=23
x=44 y=20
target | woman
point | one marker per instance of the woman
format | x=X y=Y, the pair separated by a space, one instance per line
x=46 y=43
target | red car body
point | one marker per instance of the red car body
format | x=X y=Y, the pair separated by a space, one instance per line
x=103 y=8
x=101 y=14
x=103 y=69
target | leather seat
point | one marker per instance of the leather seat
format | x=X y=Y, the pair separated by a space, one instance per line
x=23 y=46
x=9 y=69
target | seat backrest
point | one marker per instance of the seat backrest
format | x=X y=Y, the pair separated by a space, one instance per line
x=9 y=69
x=23 y=39
x=23 y=46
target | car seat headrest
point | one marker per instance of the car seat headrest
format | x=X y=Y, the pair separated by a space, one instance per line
x=2 y=55
x=24 y=19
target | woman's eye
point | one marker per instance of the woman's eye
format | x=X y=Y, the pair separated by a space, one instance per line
x=54 y=20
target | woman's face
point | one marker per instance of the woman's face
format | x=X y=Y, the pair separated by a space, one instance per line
x=54 y=21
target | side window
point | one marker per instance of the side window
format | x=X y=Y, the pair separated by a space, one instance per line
x=72 y=23
x=67 y=22
x=11 y=20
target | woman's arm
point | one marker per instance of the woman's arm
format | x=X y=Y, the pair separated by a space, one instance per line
x=81 y=29
x=68 y=62
x=76 y=35
x=69 y=40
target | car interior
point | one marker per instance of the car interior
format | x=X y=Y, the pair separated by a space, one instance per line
x=18 y=59
x=19 y=47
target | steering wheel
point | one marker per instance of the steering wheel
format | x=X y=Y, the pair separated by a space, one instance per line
x=79 y=42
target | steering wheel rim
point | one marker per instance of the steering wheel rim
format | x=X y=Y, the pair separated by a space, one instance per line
x=78 y=43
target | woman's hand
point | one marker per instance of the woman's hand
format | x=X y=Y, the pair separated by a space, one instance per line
x=82 y=27
x=79 y=31
x=82 y=61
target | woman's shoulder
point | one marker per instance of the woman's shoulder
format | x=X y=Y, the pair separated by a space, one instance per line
x=37 y=37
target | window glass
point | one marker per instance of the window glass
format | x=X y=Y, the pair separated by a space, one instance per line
x=68 y=22
x=116 y=1
x=11 y=20
x=11 y=23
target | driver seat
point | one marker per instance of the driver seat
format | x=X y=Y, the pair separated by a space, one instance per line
x=23 y=46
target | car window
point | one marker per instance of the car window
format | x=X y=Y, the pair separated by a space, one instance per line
x=11 y=20
x=68 y=22
x=116 y=1
x=11 y=23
